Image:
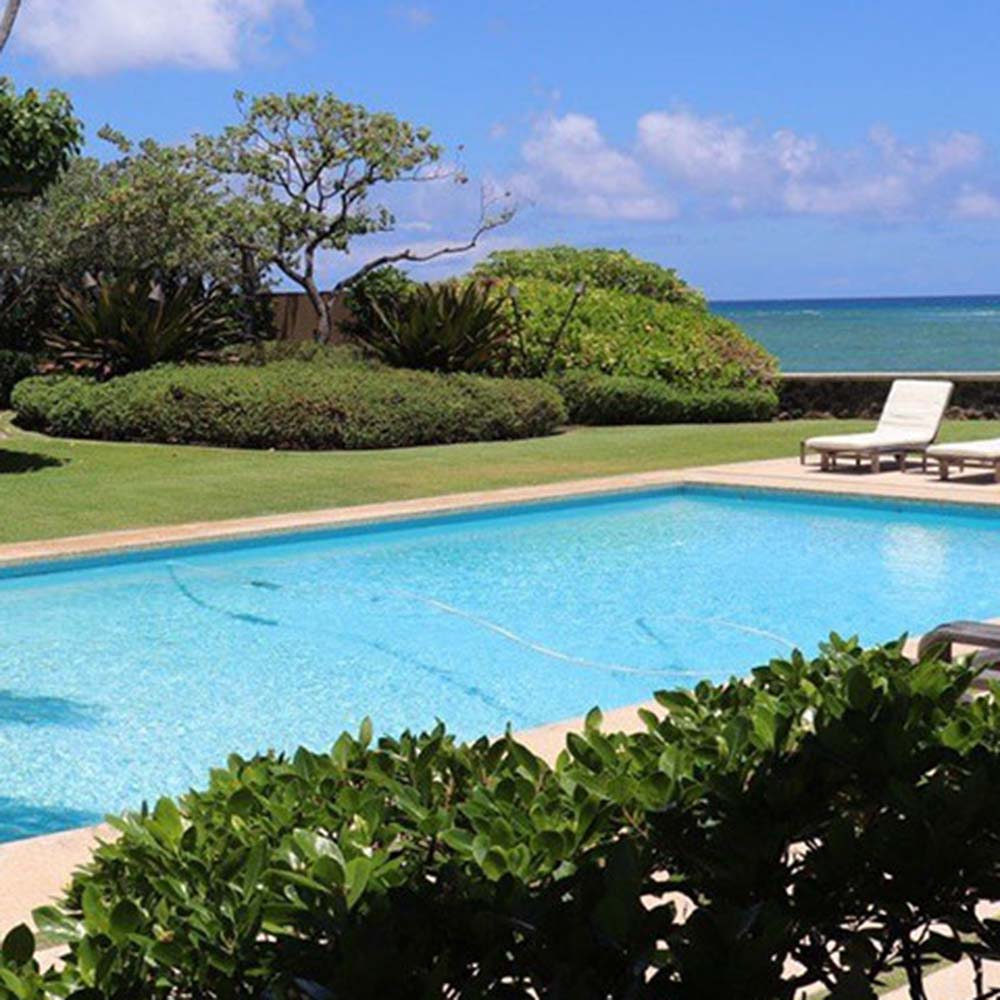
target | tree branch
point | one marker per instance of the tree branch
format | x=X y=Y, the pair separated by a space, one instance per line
x=7 y=20
x=487 y=223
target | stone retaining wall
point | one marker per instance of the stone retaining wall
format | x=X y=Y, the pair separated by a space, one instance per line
x=861 y=394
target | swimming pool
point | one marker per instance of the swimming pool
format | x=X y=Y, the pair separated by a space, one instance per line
x=127 y=677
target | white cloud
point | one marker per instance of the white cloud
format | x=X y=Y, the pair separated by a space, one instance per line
x=682 y=162
x=571 y=168
x=972 y=203
x=703 y=151
x=415 y=16
x=91 y=37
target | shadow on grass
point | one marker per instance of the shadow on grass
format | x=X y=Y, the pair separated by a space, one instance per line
x=26 y=461
x=43 y=710
x=20 y=818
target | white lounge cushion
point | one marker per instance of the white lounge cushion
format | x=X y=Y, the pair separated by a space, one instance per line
x=988 y=448
x=915 y=406
x=869 y=441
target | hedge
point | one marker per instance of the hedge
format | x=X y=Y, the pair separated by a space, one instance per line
x=820 y=823
x=592 y=398
x=14 y=366
x=289 y=404
x=621 y=334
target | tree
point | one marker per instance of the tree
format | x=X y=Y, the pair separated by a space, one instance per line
x=147 y=212
x=7 y=20
x=300 y=172
x=38 y=138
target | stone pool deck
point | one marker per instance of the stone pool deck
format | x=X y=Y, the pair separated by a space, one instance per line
x=32 y=871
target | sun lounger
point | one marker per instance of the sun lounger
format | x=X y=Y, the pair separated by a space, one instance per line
x=983 y=454
x=909 y=422
x=983 y=636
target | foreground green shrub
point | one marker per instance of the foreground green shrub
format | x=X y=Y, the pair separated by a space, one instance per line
x=621 y=334
x=821 y=823
x=616 y=270
x=264 y=352
x=289 y=404
x=592 y=398
x=14 y=366
x=448 y=327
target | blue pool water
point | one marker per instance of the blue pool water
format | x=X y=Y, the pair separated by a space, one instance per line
x=125 y=679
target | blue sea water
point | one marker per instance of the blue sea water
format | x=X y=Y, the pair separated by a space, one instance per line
x=123 y=679
x=891 y=334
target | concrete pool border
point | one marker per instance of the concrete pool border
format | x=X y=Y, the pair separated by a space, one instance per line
x=32 y=870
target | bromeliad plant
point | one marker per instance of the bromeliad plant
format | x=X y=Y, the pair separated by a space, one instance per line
x=820 y=824
x=449 y=327
x=120 y=325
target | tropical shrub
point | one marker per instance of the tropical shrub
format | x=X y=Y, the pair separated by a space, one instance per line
x=448 y=327
x=615 y=270
x=14 y=366
x=621 y=334
x=289 y=404
x=820 y=823
x=593 y=398
x=125 y=325
x=383 y=286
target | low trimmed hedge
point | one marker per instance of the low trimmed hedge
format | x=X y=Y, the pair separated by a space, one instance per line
x=14 y=366
x=818 y=824
x=592 y=398
x=289 y=404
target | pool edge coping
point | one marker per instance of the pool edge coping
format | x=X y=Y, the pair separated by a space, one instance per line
x=356 y=515
x=737 y=475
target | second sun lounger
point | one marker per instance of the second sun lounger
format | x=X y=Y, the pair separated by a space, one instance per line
x=910 y=420
x=983 y=454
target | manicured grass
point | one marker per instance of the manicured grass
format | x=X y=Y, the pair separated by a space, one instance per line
x=51 y=487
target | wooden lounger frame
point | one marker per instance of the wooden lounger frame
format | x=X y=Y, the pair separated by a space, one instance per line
x=945 y=462
x=828 y=456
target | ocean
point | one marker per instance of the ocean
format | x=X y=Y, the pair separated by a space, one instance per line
x=934 y=333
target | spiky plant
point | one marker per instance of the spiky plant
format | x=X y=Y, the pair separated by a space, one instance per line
x=122 y=325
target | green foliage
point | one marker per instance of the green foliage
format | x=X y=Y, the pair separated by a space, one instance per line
x=621 y=334
x=149 y=211
x=263 y=352
x=289 y=404
x=38 y=137
x=448 y=327
x=616 y=270
x=820 y=823
x=383 y=286
x=592 y=398
x=129 y=324
x=14 y=366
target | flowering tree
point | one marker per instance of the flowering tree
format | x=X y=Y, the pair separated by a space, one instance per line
x=301 y=172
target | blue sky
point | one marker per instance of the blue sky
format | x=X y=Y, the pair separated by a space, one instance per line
x=763 y=148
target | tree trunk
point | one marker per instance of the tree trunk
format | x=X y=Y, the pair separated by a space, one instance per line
x=324 y=321
x=7 y=20
x=250 y=293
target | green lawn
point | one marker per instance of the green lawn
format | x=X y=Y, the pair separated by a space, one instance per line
x=51 y=487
